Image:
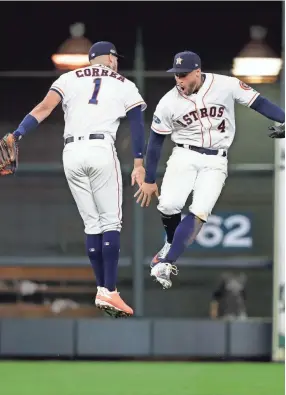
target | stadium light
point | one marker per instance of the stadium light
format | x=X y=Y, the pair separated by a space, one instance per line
x=257 y=63
x=73 y=53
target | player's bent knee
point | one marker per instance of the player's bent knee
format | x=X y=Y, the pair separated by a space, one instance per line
x=92 y=229
x=168 y=208
x=201 y=214
x=110 y=227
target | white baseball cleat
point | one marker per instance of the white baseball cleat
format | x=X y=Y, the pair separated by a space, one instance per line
x=162 y=272
x=161 y=254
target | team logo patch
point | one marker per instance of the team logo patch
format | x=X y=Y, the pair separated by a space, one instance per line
x=244 y=86
x=156 y=119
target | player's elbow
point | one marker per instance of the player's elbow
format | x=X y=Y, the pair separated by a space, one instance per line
x=41 y=111
x=45 y=107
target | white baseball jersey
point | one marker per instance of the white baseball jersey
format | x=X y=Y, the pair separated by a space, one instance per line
x=94 y=98
x=206 y=118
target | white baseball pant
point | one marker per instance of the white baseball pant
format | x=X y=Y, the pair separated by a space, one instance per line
x=94 y=177
x=189 y=171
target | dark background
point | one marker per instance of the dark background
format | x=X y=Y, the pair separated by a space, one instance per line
x=32 y=31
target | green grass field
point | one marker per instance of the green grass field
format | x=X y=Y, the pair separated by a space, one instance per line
x=140 y=378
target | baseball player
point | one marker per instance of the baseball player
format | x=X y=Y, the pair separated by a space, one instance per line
x=94 y=98
x=199 y=115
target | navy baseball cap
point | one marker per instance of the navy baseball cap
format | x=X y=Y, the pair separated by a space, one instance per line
x=185 y=62
x=103 y=48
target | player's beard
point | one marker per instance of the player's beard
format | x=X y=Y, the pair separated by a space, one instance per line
x=190 y=89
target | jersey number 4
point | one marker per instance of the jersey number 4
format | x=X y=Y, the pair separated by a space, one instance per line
x=97 y=84
x=221 y=126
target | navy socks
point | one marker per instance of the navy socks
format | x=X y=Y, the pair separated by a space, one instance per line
x=170 y=223
x=110 y=253
x=185 y=234
x=94 y=252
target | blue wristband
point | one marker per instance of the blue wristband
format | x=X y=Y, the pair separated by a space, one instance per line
x=29 y=123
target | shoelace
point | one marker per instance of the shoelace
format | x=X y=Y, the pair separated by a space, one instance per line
x=173 y=269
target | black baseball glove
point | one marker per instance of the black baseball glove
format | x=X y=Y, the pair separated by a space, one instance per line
x=277 y=132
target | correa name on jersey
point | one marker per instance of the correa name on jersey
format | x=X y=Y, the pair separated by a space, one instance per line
x=95 y=72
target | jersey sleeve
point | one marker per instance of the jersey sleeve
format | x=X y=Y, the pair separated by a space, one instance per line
x=243 y=93
x=133 y=98
x=60 y=86
x=162 y=122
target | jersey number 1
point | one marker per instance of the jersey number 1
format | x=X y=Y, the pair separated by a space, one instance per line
x=97 y=84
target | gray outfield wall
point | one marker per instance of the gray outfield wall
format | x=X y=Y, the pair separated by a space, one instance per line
x=167 y=338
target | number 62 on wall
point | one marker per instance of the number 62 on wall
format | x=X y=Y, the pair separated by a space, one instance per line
x=226 y=231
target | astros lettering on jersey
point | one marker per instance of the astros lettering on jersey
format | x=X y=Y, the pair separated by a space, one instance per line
x=207 y=118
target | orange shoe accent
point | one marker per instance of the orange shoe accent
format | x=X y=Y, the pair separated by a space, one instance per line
x=107 y=309
x=155 y=259
x=113 y=300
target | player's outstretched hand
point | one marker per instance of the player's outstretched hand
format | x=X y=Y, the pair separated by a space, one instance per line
x=138 y=175
x=277 y=132
x=145 y=192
